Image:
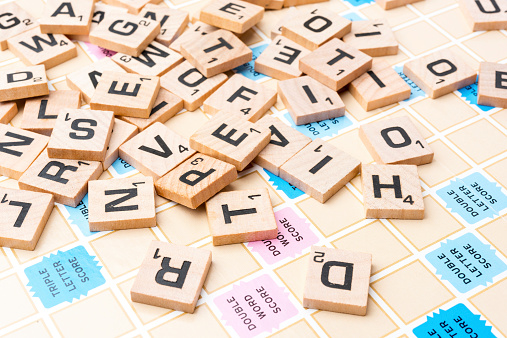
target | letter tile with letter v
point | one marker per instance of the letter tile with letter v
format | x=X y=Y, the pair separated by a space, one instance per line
x=23 y=83
x=492 y=85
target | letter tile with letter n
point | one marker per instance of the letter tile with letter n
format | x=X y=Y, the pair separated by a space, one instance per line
x=337 y=280
x=390 y=4
x=231 y=139
x=492 y=85
x=67 y=17
x=372 y=37
x=484 y=15
x=7 y=111
x=234 y=15
x=81 y=134
x=440 y=73
x=23 y=83
x=172 y=21
x=67 y=180
x=335 y=64
x=241 y=216
x=122 y=203
x=156 y=151
x=171 y=276
x=14 y=21
x=395 y=141
x=24 y=216
x=18 y=149
x=125 y=33
x=308 y=100
x=196 y=180
x=126 y=94
x=320 y=170
x=392 y=191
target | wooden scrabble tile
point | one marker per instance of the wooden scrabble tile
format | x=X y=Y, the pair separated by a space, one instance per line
x=196 y=180
x=66 y=180
x=395 y=141
x=440 y=73
x=166 y=106
x=320 y=170
x=492 y=85
x=231 y=139
x=40 y=113
x=23 y=83
x=122 y=203
x=392 y=191
x=15 y=21
x=288 y=3
x=241 y=216
x=280 y=60
x=122 y=132
x=35 y=48
x=285 y=143
x=24 y=216
x=390 y=4
x=277 y=28
x=188 y=83
x=309 y=101
x=67 y=17
x=18 y=149
x=7 y=111
x=342 y=289
x=262 y=3
x=234 y=15
x=126 y=94
x=81 y=134
x=379 y=87
x=484 y=15
x=243 y=97
x=335 y=64
x=312 y=28
x=372 y=37
x=274 y=4
x=156 y=151
x=197 y=30
x=172 y=22
x=171 y=276
x=155 y=60
x=133 y=6
x=125 y=33
x=87 y=78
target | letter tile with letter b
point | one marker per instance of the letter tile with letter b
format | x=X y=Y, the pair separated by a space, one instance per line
x=241 y=216
x=234 y=15
x=484 y=15
x=67 y=17
x=23 y=83
x=392 y=191
x=372 y=37
x=171 y=276
x=492 y=85
x=337 y=280
x=15 y=21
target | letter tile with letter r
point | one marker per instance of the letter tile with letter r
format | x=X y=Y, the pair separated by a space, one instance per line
x=492 y=85
x=23 y=83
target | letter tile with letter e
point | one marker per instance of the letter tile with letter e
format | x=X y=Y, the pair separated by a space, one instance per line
x=440 y=73
x=390 y=4
x=172 y=21
x=171 y=276
x=484 y=15
x=492 y=85
x=24 y=216
x=392 y=191
x=67 y=17
x=372 y=37
x=122 y=203
x=15 y=21
x=234 y=15
x=241 y=216
x=7 y=111
x=337 y=280
x=23 y=83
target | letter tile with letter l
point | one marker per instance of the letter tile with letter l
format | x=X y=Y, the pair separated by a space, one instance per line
x=484 y=15
x=14 y=21
x=337 y=280
x=492 y=85
x=171 y=276
x=234 y=15
x=23 y=83
x=67 y=17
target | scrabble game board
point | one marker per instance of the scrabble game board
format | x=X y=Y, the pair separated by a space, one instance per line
x=415 y=289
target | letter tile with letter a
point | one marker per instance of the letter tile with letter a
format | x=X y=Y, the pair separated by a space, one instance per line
x=24 y=216
x=14 y=21
x=492 y=85
x=67 y=180
x=7 y=111
x=372 y=37
x=320 y=170
x=484 y=15
x=196 y=180
x=67 y=17
x=171 y=276
x=440 y=73
x=241 y=216
x=23 y=83
x=337 y=280
x=392 y=191
x=81 y=134
x=234 y=15
x=122 y=203
x=390 y=4
x=172 y=21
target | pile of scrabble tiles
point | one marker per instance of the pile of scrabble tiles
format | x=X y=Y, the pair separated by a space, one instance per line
x=160 y=68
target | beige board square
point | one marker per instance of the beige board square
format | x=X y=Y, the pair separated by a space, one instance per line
x=197 y=30
x=67 y=180
x=372 y=37
x=284 y=144
x=133 y=6
x=121 y=133
x=40 y=113
x=484 y=15
x=171 y=276
x=320 y=170
x=67 y=17
x=156 y=151
x=411 y=35
x=335 y=64
x=242 y=97
x=182 y=225
x=487 y=302
x=280 y=60
x=23 y=82
x=7 y=111
x=310 y=101
x=299 y=329
x=24 y=216
x=498 y=171
x=390 y=4
x=440 y=73
x=492 y=85
x=172 y=21
x=231 y=139
x=126 y=94
x=35 y=329
x=337 y=280
x=12 y=291
x=496 y=233
x=15 y=21
x=234 y=15
x=18 y=149
x=125 y=33
x=241 y=216
x=189 y=84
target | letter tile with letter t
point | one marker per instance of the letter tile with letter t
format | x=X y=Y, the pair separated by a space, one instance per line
x=23 y=83
x=67 y=17
x=492 y=85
